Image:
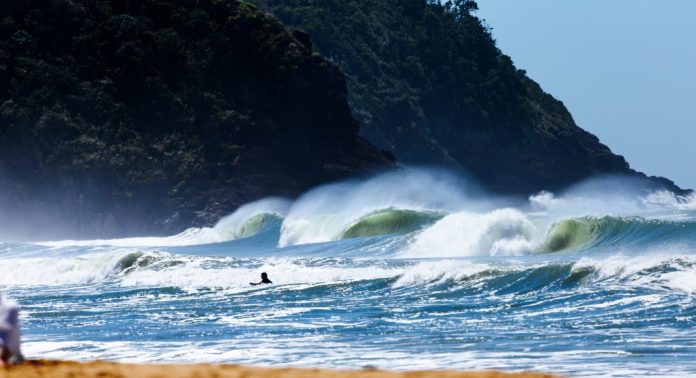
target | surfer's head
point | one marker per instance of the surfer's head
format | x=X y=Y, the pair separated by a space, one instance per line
x=264 y=276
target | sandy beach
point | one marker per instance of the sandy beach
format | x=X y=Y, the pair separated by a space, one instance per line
x=100 y=369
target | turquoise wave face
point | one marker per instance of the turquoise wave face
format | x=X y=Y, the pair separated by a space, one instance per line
x=609 y=231
x=364 y=276
x=391 y=221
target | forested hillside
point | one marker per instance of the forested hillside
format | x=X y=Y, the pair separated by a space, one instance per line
x=143 y=116
x=428 y=83
x=149 y=116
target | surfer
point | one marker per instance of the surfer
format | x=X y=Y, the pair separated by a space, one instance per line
x=264 y=280
x=9 y=333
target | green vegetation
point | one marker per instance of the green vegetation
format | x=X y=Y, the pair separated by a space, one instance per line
x=140 y=116
x=135 y=115
x=427 y=82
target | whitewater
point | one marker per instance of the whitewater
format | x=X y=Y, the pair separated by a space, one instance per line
x=415 y=269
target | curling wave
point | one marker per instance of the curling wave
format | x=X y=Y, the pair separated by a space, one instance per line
x=391 y=221
x=608 y=231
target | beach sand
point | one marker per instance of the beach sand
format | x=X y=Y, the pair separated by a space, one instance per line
x=100 y=369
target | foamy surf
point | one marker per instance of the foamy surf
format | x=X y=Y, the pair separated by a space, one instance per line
x=500 y=232
x=412 y=270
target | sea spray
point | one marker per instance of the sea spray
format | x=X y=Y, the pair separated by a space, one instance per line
x=250 y=219
x=246 y=221
x=663 y=199
x=615 y=196
x=588 y=281
x=440 y=272
x=326 y=213
x=91 y=268
x=499 y=232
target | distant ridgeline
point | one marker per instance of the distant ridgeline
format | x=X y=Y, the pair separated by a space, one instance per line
x=150 y=116
x=426 y=81
x=137 y=116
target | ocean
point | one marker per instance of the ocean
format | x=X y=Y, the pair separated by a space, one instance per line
x=417 y=269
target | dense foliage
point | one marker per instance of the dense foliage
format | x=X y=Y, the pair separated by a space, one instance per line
x=426 y=81
x=134 y=116
x=123 y=113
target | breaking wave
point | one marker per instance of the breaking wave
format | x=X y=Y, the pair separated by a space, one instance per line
x=410 y=254
x=609 y=231
x=391 y=221
x=160 y=269
x=499 y=232
x=442 y=216
x=657 y=272
x=327 y=213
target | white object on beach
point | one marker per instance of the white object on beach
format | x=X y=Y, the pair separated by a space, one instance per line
x=9 y=328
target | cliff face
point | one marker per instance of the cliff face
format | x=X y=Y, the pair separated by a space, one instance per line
x=121 y=117
x=427 y=82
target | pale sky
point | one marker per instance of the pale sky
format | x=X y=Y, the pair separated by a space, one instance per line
x=626 y=70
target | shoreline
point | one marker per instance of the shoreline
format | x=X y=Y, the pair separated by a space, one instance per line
x=104 y=369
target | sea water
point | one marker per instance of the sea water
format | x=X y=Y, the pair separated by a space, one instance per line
x=408 y=270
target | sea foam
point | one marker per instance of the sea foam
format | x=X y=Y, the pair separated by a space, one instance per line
x=499 y=232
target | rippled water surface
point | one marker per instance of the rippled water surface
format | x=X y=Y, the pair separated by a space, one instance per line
x=566 y=284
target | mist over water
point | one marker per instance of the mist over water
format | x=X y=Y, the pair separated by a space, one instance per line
x=411 y=269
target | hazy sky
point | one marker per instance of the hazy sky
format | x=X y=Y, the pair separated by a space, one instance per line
x=626 y=70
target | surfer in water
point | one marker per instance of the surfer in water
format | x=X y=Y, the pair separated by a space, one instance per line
x=264 y=280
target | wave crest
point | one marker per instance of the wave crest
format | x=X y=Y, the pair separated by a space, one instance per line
x=391 y=221
x=653 y=273
x=499 y=232
x=588 y=232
